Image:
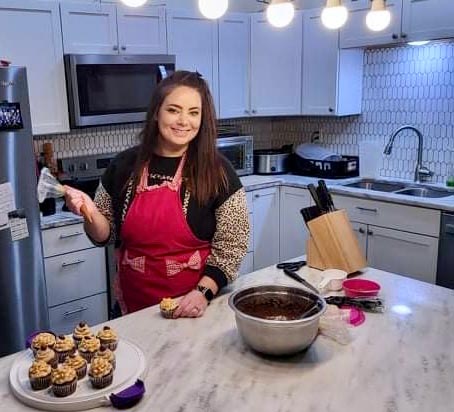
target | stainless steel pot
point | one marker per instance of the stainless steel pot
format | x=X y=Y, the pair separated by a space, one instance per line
x=277 y=333
x=271 y=161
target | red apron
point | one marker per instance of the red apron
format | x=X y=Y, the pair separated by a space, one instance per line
x=160 y=256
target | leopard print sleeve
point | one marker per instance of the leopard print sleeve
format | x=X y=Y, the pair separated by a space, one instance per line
x=230 y=241
x=103 y=202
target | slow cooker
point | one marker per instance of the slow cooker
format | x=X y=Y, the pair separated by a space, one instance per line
x=271 y=161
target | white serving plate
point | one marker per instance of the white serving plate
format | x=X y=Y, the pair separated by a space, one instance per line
x=130 y=365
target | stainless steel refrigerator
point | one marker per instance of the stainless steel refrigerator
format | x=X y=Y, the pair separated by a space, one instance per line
x=23 y=306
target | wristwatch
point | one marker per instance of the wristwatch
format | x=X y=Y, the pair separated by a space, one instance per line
x=207 y=292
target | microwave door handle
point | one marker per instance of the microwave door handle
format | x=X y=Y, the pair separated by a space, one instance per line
x=162 y=72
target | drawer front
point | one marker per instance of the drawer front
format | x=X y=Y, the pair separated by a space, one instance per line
x=65 y=239
x=92 y=310
x=75 y=275
x=401 y=217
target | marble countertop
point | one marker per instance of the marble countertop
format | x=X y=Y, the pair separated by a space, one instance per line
x=398 y=361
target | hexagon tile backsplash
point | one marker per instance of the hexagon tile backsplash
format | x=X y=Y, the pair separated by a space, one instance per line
x=402 y=85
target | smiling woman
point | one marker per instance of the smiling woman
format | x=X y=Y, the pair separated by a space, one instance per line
x=173 y=204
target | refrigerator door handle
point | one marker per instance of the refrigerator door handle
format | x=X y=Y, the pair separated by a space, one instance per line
x=76 y=262
x=71 y=235
x=73 y=312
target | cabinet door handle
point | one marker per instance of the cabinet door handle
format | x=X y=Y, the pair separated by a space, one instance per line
x=73 y=312
x=366 y=209
x=370 y=232
x=246 y=111
x=76 y=262
x=123 y=47
x=403 y=35
x=115 y=47
x=361 y=230
x=330 y=109
x=71 y=235
x=254 y=111
x=395 y=36
x=256 y=196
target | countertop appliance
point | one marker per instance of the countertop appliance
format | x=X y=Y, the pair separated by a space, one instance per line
x=445 y=267
x=239 y=151
x=23 y=304
x=272 y=161
x=109 y=89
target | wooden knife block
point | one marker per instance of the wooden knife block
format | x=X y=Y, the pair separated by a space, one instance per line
x=333 y=244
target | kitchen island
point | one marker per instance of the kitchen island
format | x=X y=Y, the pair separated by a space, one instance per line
x=399 y=361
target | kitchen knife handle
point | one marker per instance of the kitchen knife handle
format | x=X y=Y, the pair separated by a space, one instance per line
x=327 y=194
x=313 y=192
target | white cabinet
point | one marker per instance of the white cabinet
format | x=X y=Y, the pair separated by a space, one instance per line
x=396 y=238
x=76 y=279
x=411 y=20
x=110 y=29
x=265 y=222
x=30 y=36
x=234 y=54
x=293 y=233
x=332 y=78
x=427 y=19
x=275 y=67
x=193 y=39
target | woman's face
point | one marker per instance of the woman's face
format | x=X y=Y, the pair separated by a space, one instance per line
x=179 y=119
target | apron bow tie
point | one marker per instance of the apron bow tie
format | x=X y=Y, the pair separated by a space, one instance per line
x=174 y=267
x=137 y=263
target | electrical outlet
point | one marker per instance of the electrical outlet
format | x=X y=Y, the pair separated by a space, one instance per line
x=316 y=136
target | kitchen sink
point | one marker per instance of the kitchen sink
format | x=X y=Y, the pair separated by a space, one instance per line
x=424 y=192
x=400 y=188
x=377 y=185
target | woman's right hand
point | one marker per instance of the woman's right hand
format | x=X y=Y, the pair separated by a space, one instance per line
x=75 y=199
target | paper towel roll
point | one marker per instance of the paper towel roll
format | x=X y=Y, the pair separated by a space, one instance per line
x=370 y=159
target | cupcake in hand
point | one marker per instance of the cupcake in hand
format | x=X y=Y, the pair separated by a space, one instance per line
x=47 y=355
x=108 y=338
x=80 y=331
x=100 y=373
x=88 y=347
x=40 y=375
x=106 y=353
x=64 y=381
x=43 y=338
x=78 y=363
x=64 y=346
x=168 y=307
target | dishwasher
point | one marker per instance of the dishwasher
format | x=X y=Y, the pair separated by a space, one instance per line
x=445 y=267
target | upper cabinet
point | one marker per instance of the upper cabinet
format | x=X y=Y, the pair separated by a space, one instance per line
x=110 y=29
x=31 y=37
x=411 y=20
x=275 y=67
x=193 y=39
x=332 y=78
x=234 y=68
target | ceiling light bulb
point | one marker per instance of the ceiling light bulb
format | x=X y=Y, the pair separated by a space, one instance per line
x=378 y=17
x=280 y=13
x=213 y=9
x=134 y=3
x=334 y=15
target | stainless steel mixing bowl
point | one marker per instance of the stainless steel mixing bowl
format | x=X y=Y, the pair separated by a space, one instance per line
x=277 y=319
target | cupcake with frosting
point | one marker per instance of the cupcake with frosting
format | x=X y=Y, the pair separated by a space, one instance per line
x=88 y=347
x=43 y=338
x=64 y=381
x=168 y=307
x=47 y=355
x=78 y=363
x=80 y=331
x=106 y=353
x=39 y=375
x=100 y=373
x=64 y=346
x=108 y=338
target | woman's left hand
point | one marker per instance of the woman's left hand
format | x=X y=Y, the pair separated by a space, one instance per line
x=192 y=305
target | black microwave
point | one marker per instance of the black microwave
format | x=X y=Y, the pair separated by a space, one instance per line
x=112 y=89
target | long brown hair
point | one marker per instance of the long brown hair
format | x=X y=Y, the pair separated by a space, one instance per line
x=204 y=174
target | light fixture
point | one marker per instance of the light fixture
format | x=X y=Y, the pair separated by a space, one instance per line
x=378 y=17
x=213 y=9
x=334 y=15
x=279 y=13
x=418 y=43
x=134 y=3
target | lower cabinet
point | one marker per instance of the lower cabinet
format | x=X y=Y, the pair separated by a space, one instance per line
x=247 y=266
x=76 y=278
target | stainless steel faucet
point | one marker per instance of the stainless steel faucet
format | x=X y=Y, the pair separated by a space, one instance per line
x=421 y=172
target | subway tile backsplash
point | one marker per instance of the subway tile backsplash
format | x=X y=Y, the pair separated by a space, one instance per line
x=402 y=85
